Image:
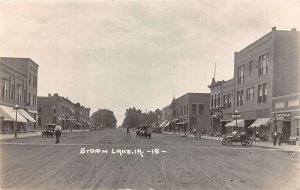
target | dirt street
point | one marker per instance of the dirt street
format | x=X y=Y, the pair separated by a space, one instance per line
x=112 y=159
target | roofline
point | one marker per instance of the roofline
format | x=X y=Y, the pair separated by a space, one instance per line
x=21 y=58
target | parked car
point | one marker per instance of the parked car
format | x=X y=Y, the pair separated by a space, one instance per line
x=48 y=130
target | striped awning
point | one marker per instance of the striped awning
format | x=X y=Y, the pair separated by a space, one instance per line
x=26 y=115
x=260 y=122
x=236 y=123
x=9 y=114
x=163 y=124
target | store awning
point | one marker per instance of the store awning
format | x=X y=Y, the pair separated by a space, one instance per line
x=164 y=124
x=9 y=114
x=236 y=123
x=26 y=115
x=260 y=122
x=168 y=123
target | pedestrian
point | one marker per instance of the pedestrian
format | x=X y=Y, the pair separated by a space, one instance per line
x=128 y=130
x=194 y=131
x=257 y=137
x=274 y=135
x=279 y=135
x=57 y=132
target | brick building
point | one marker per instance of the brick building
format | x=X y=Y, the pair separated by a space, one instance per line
x=266 y=76
x=221 y=105
x=55 y=108
x=19 y=83
x=189 y=111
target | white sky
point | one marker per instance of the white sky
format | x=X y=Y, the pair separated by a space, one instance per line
x=120 y=54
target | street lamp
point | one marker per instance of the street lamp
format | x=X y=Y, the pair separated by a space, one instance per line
x=15 y=125
x=236 y=116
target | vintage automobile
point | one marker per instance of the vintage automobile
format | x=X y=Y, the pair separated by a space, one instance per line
x=143 y=131
x=243 y=138
x=49 y=130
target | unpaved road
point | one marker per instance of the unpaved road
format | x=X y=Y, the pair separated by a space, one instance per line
x=188 y=163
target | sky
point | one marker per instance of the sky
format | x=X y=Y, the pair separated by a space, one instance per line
x=121 y=54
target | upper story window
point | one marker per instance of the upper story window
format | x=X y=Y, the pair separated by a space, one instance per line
x=225 y=102
x=229 y=100
x=240 y=74
x=29 y=79
x=20 y=94
x=263 y=65
x=212 y=101
x=194 y=107
x=219 y=99
x=5 y=89
x=215 y=103
x=201 y=108
x=250 y=66
x=54 y=109
x=262 y=93
x=250 y=94
x=240 y=98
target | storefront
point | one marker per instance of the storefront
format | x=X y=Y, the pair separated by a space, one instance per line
x=282 y=121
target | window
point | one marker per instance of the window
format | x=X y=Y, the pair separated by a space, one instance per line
x=250 y=94
x=250 y=65
x=19 y=94
x=5 y=90
x=219 y=99
x=215 y=103
x=29 y=79
x=54 y=109
x=263 y=65
x=212 y=101
x=229 y=100
x=40 y=110
x=240 y=74
x=262 y=93
x=265 y=92
x=225 y=101
x=194 y=107
x=201 y=109
x=240 y=98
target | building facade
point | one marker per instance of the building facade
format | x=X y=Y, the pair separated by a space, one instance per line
x=19 y=83
x=221 y=105
x=55 y=108
x=267 y=74
x=188 y=112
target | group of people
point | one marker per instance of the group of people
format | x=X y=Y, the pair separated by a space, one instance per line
x=276 y=136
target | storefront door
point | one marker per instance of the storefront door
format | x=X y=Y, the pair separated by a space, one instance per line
x=286 y=130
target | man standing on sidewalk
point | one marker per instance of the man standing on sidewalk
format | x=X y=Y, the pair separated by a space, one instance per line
x=57 y=132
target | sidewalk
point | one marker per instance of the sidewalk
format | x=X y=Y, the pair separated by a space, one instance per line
x=35 y=133
x=266 y=144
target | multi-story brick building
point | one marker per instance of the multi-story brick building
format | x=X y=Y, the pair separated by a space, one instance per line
x=55 y=108
x=267 y=73
x=19 y=83
x=189 y=111
x=221 y=106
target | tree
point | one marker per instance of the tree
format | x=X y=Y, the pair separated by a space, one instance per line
x=134 y=117
x=105 y=118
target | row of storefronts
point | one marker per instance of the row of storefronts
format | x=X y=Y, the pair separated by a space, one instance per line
x=21 y=110
x=264 y=94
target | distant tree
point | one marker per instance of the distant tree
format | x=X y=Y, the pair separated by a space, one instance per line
x=134 y=117
x=104 y=117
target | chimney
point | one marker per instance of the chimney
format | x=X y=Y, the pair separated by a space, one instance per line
x=49 y=95
x=294 y=30
x=274 y=28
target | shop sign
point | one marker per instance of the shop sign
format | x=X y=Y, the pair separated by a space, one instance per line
x=282 y=116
